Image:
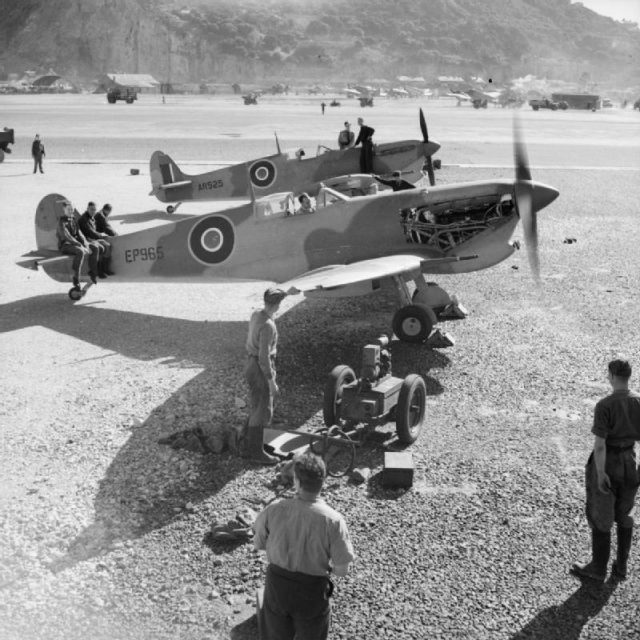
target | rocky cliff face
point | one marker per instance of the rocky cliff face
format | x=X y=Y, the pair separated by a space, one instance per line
x=345 y=39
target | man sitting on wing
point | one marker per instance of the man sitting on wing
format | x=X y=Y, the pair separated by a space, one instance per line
x=88 y=227
x=71 y=241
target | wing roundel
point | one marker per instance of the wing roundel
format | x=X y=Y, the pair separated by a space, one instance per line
x=262 y=173
x=211 y=240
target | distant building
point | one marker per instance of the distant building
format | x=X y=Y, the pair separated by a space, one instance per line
x=53 y=84
x=141 y=82
x=578 y=100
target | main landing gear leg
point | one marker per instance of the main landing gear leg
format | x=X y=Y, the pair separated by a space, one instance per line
x=414 y=320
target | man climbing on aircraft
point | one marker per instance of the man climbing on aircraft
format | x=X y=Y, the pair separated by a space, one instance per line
x=365 y=137
x=397 y=184
x=346 y=137
x=102 y=223
x=260 y=373
x=72 y=242
x=88 y=227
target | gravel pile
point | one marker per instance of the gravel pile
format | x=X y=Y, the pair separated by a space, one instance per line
x=106 y=533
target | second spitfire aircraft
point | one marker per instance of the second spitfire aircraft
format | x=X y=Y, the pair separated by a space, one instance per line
x=286 y=171
x=346 y=247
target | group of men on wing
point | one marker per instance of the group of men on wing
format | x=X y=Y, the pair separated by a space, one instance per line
x=86 y=237
x=347 y=139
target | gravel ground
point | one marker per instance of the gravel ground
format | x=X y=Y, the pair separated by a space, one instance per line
x=103 y=532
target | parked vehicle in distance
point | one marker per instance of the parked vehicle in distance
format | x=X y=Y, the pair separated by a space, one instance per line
x=545 y=103
x=128 y=94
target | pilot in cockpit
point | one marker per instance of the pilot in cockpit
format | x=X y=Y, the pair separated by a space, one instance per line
x=306 y=206
x=300 y=154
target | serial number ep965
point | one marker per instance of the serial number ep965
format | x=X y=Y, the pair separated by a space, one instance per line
x=144 y=253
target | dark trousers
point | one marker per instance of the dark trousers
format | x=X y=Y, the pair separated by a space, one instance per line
x=79 y=253
x=260 y=397
x=37 y=163
x=603 y=509
x=366 y=156
x=295 y=605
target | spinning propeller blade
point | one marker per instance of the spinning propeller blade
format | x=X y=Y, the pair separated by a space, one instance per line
x=524 y=199
x=425 y=138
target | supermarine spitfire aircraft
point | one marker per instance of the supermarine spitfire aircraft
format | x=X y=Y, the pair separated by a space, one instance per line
x=289 y=170
x=346 y=247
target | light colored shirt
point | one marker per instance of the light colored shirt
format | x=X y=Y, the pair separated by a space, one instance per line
x=303 y=535
x=262 y=341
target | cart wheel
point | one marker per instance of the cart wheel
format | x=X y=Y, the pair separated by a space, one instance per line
x=338 y=458
x=338 y=378
x=75 y=293
x=413 y=323
x=411 y=408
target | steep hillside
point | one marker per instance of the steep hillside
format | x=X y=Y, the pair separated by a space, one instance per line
x=191 y=40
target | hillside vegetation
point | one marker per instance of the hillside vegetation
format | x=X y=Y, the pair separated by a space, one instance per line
x=318 y=39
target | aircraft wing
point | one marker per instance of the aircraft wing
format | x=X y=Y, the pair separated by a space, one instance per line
x=336 y=276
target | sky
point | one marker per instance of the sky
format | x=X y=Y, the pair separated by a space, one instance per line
x=616 y=9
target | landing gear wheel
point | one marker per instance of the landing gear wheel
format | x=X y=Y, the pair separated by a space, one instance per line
x=173 y=208
x=410 y=409
x=1 y=155
x=332 y=403
x=75 y=293
x=413 y=323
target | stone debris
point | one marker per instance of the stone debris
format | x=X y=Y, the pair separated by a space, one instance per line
x=361 y=474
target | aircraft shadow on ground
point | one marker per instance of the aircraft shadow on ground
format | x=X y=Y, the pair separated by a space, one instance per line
x=566 y=621
x=147 y=216
x=314 y=337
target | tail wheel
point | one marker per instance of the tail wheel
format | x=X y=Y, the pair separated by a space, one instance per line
x=75 y=293
x=413 y=323
x=332 y=405
x=410 y=410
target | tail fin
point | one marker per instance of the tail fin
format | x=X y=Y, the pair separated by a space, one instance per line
x=165 y=175
x=49 y=211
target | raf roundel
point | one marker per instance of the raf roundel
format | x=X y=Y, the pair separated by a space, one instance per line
x=211 y=240
x=262 y=173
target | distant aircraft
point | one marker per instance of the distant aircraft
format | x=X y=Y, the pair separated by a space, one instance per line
x=479 y=99
x=346 y=247
x=288 y=171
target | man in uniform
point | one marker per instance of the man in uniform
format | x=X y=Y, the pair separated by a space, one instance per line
x=612 y=476
x=397 y=183
x=88 y=227
x=37 y=151
x=305 y=539
x=260 y=373
x=71 y=241
x=365 y=137
x=102 y=223
x=346 y=137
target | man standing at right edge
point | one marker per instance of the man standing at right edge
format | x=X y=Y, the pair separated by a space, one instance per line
x=612 y=475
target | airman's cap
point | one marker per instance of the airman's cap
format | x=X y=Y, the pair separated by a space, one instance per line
x=273 y=295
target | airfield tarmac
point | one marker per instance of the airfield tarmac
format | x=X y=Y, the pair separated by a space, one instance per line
x=103 y=531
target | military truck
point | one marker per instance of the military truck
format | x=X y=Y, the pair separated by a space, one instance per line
x=128 y=94
x=545 y=103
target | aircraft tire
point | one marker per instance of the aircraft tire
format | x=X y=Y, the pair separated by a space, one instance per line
x=1 y=155
x=75 y=293
x=413 y=323
x=340 y=376
x=410 y=410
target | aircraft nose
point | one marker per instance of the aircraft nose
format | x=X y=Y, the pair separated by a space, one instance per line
x=543 y=195
x=429 y=148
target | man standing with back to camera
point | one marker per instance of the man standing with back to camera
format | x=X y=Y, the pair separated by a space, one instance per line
x=612 y=476
x=305 y=540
